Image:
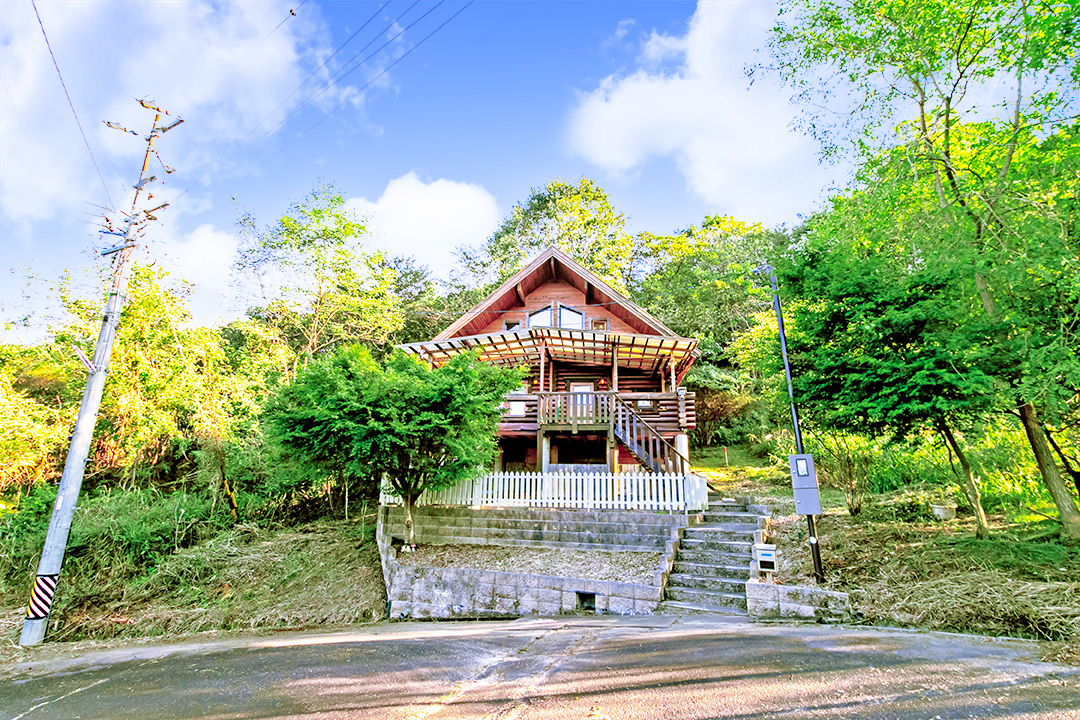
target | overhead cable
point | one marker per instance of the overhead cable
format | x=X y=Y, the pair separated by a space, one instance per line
x=72 y=105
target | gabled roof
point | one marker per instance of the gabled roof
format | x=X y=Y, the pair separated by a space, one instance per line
x=553 y=265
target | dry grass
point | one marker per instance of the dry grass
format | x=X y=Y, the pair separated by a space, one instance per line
x=321 y=574
x=904 y=570
x=632 y=567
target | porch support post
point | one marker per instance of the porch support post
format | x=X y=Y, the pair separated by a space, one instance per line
x=612 y=452
x=671 y=364
x=682 y=446
x=543 y=358
x=615 y=367
x=545 y=452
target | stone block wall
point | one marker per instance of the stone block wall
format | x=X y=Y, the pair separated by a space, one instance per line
x=430 y=592
x=574 y=529
x=766 y=601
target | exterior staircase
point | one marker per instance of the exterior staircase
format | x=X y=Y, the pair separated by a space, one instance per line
x=712 y=563
x=644 y=442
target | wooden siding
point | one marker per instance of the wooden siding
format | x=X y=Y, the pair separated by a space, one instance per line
x=546 y=295
x=553 y=266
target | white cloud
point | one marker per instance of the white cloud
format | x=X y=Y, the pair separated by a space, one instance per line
x=428 y=220
x=223 y=67
x=689 y=101
x=203 y=257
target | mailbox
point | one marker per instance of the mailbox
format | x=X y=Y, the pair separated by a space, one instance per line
x=765 y=556
x=804 y=484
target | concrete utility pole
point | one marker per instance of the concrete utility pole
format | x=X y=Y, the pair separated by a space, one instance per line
x=52 y=556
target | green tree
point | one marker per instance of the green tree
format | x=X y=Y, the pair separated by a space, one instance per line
x=423 y=428
x=877 y=347
x=972 y=88
x=577 y=219
x=320 y=291
x=701 y=281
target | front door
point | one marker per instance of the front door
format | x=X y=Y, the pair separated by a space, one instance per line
x=581 y=405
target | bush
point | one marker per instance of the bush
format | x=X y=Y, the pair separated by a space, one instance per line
x=115 y=535
x=845 y=462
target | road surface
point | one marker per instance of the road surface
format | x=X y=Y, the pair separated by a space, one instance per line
x=580 y=668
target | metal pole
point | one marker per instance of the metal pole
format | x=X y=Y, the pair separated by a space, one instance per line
x=815 y=549
x=52 y=556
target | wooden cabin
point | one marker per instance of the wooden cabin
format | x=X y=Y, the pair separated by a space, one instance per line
x=604 y=390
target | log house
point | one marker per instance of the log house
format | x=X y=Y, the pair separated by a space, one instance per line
x=604 y=389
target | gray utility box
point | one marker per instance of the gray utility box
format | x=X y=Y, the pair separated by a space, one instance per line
x=804 y=484
x=765 y=557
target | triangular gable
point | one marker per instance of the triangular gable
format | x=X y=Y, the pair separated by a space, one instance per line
x=553 y=265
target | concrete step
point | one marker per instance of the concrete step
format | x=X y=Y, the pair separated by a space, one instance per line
x=732 y=517
x=740 y=571
x=713 y=533
x=717 y=544
x=712 y=584
x=727 y=507
x=675 y=607
x=706 y=597
x=712 y=556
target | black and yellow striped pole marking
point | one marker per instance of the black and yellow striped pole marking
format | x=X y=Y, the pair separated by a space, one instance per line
x=230 y=497
x=41 y=599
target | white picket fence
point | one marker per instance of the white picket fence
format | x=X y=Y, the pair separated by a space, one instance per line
x=593 y=491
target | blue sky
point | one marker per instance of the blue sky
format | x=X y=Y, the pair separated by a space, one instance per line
x=647 y=98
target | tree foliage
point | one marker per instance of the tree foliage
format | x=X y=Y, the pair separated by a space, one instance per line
x=973 y=96
x=320 y=291
x=577 y=219
x=422 y=428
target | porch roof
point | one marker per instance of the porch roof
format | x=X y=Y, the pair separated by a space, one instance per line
x=523 y=347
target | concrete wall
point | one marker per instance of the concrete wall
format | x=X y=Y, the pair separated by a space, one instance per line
x=573 y=529
x=766 y=601
x=429 y=592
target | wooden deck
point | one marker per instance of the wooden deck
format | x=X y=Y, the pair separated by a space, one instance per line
x=573 y=412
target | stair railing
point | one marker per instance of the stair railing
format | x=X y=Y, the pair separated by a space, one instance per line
x=644 y=441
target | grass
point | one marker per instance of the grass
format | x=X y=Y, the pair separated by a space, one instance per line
x=901 y=567
x=247 y=577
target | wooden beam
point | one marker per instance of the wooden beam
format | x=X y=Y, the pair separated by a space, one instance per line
x=614 y=367
x=543 y=357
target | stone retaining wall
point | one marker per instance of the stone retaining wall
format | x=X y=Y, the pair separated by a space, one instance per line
x=430 y=592
x=573 y=529
x=766 y=601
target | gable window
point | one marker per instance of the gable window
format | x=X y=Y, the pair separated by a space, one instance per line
x=599 y=324
x=511 y=324
x=541 y=318
x=569 y=318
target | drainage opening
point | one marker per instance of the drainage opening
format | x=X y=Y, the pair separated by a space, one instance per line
x=586 y=602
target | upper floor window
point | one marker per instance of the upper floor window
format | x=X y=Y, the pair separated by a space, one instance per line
x=511 y=324
x=599 y=324
x=570 y=319
x=540 y=318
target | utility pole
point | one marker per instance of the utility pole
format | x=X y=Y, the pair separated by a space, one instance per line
x=815 y=549
x=52 y=556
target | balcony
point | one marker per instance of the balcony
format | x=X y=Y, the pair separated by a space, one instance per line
x=525 y=414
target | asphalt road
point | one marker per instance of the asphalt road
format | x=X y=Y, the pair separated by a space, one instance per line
x=580 y=668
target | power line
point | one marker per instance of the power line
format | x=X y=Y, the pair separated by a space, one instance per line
x=333 y=78
x=72 y=105
x=292 y=13
x=391 y=65
x=313 y=72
